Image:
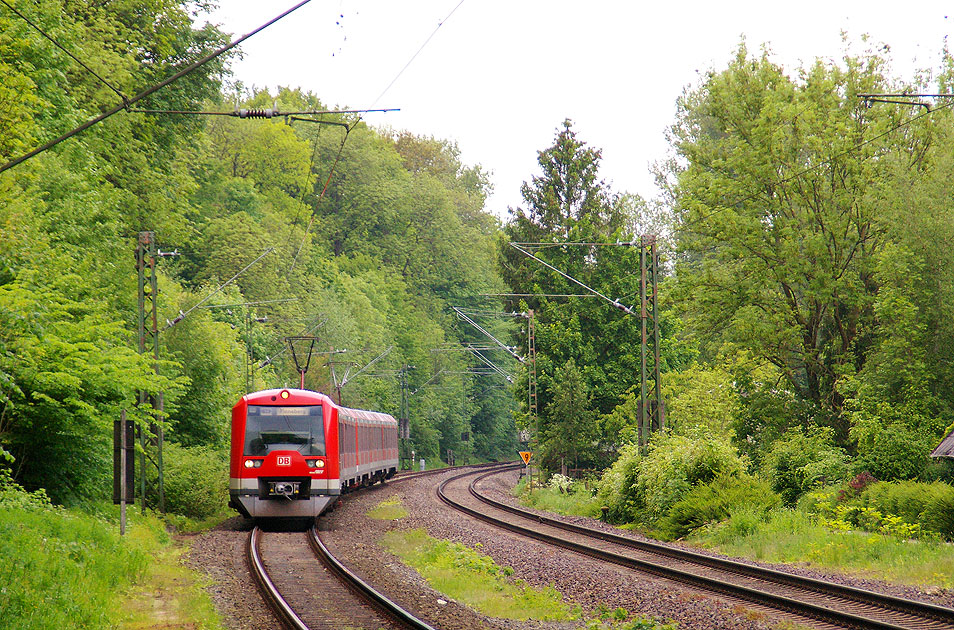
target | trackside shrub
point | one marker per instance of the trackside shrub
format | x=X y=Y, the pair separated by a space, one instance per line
x=677 y=463
x=196 y=480
x=616 y=489
x=716 y=501
x=929 y=505
x=801 y=460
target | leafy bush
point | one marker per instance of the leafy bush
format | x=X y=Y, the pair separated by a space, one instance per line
x=907 y=509
x=715 y=501
x=12 y=495
x=616 y=489
x=196 y=480
x=648 y=486
x=930 y=505
x=801 y=460
x=676 y=463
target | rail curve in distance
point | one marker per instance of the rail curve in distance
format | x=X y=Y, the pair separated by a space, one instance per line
x=809 y=598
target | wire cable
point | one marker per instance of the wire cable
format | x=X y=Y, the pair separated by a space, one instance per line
x=138 y=97
x=314 y=214
x=71 y=55
x=411 y=60
x=182 y=315
x=615 y=303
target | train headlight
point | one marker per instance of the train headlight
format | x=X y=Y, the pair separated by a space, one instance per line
x=285 y=394
x=249 y=463
x=320 y=463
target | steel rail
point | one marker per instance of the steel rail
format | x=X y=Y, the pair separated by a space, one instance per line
x=355 y=583
x=267 y=588
x=742 y=592
x=911 y=607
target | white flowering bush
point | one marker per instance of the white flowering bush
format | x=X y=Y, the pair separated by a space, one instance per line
x=561 y=483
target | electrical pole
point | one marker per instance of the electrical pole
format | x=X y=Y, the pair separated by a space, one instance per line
x=404 y=422
x=249 y=373
x=532 y=369
x=652 y=413
x=151 y=439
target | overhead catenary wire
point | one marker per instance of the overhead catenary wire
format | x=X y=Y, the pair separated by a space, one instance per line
x=181 y=315
x=463 y=316
x=127 y=102
x=314 y=213
x=615 y=303
x=263 y=113
x=68 y=53
x=414 y=56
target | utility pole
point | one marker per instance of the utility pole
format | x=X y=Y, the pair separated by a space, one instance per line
x=151 y=439
x=404 y=419
x=652 y=413
x=531 y=369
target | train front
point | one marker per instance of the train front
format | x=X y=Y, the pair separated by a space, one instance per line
x=283 y=460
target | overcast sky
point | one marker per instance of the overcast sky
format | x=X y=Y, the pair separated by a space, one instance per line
x=498 y=77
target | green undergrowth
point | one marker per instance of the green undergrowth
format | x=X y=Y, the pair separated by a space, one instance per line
x=475 y=580
x=737 y=519
x=69 y=569
x=786 y=535
x=570 y=499
x=388 y=510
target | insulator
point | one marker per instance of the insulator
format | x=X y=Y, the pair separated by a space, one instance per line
x=256 y=113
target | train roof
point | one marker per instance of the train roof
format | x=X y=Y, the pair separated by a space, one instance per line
x=296 y=396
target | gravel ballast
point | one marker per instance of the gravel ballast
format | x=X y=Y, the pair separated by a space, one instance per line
x=353 y=537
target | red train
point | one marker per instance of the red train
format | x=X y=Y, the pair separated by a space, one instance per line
x=294 y=451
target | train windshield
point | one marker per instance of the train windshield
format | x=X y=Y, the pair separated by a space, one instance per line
x=271 y=428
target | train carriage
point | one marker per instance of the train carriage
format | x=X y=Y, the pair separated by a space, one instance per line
x=294 y=451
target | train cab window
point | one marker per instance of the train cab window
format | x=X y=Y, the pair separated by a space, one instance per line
x=272 y=428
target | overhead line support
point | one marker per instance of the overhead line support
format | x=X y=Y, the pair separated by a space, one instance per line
x=127 y=102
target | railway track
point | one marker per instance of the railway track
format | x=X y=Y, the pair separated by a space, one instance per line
x=309 y=589
x=829 y=603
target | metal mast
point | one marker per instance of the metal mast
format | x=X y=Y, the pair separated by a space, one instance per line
x=532 y=368
x=151 y=439
x=652 y=412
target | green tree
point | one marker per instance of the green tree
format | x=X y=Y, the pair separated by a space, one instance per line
x=777 y=215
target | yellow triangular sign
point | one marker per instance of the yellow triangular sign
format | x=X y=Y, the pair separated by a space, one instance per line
x=525 y=455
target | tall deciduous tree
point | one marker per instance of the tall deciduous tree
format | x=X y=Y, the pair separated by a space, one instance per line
x=778 y=224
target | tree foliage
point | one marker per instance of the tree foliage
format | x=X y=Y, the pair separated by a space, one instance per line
x=374 y=263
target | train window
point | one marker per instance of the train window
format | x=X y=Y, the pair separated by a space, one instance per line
x=272 y=428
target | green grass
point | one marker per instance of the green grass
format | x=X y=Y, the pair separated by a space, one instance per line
x=475 y=580
x=388 y=510
x=577 y=502
x=68 y=569
x=791 y=536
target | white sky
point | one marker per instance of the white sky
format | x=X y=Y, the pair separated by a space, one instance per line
x=499 y=77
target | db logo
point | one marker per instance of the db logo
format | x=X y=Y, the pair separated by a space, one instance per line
x=283 y=460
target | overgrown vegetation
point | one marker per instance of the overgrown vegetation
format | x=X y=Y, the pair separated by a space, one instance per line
x=475 y=579
x=67 y=568
x=792 y=536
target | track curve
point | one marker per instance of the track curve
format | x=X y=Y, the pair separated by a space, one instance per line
x=833 y=604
